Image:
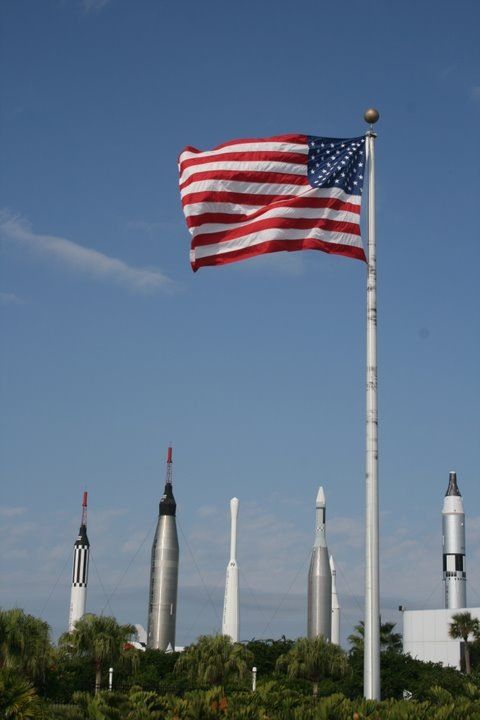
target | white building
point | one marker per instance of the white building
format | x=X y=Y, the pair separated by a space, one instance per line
x=426 y=635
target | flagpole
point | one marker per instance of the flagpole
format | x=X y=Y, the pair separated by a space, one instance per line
x=371 y=668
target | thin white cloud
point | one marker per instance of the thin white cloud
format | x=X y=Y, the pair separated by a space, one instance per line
x=150 y=228
x=12 y=511
x=205 y=511
x=274 y=552
x=83 y=260
x=10 y=299
x=346 y=530
x=475 y=92
x=94 y=5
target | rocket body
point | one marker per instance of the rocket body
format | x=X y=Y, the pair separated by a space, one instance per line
x=335 y=636
x=320 y=579
x=162 y=608
x=454 y=567
x=231 y=608
x=81 y=556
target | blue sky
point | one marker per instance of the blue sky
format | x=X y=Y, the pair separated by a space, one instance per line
x=112 y=347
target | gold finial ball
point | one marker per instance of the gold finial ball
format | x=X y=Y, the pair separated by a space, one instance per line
x=371 y=116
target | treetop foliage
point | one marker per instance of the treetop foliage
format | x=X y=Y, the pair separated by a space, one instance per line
x=211 y=680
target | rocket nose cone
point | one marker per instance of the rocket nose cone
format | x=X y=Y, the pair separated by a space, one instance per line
x=320 y=497
x=332 y=564
x=452 y=485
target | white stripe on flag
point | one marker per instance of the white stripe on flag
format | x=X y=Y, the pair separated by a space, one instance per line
x=276 y=234
x=249 y=165
x=281 y=212
x=251 y=188
x=282 y=147
x=213 y=207
x=306 y=191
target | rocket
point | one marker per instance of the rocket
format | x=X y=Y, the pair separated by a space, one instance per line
x=335 y=636
x=320 y=579
x=231 y=611
x=453 y=526
x=81 y=554
x=162 y=608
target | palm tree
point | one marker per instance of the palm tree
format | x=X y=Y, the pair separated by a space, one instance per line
x=389 y=640
x=102 y=640
x=146 y=705
x=18 y=699
x=314 y=659
x=213 y=660
x=24 y=643
x=462 y=626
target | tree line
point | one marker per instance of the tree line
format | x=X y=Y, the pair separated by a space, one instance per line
x=212 y=679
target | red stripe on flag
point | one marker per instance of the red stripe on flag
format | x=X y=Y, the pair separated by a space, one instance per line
x=277 y=246
x=271 y=155
x=231 y=197
x=245 y=176
x=291 y=138
x=275 y=223
x=295 y=202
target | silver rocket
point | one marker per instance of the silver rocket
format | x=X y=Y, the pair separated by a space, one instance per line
x=162 y=608
x=81 y=555
x=320 y=578
x=335 y=637
x=454 y=568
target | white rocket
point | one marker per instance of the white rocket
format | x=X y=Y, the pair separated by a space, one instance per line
x=81 y=553
x=454 y=568
x=231 y=610
x=335 y=637
x=320 y=578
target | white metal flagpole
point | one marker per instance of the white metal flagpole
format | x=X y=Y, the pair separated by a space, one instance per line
x=371 y=668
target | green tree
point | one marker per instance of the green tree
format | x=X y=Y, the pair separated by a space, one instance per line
x=213 y=660
x=154 y=670
x=314 y=659
x=389 y=640
x=146 y=705
x=18 y=699
x=24 y=643
x=66 y=674
x=102 y=706
x=463 y=626
x=102 y=641
x=399 y=672
x=267 y=652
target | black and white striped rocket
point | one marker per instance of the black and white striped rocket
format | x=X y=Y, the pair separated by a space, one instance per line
x=162 y=608
x=81 y=554
x=320 y=578
x=454 y=568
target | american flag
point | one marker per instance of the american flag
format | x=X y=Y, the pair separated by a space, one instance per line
x=288 y=192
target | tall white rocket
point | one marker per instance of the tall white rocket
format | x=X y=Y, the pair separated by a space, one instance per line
x=81 y=553
x=453 y=525
x=335 y=636
x=231 y=609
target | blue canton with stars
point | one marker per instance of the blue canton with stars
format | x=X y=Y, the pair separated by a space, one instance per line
x=334 y=162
